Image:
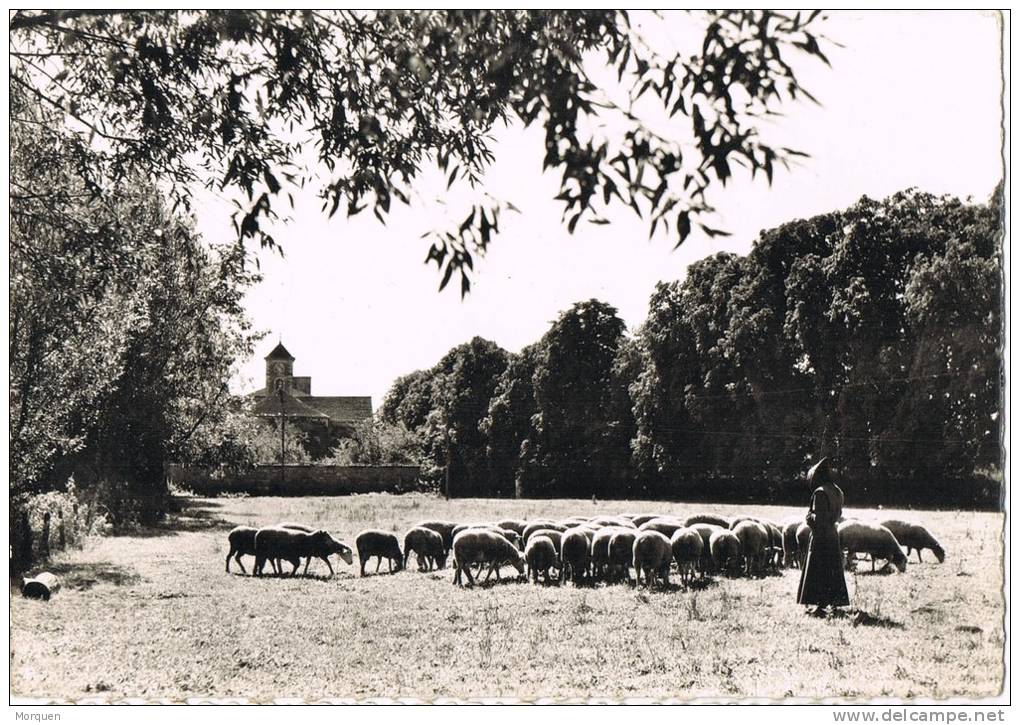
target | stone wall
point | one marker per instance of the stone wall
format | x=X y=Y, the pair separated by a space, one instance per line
x=296 y=480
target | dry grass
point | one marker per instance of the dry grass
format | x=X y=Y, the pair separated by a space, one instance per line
x=154 y=615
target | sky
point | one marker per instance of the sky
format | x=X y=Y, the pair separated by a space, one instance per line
x=911 y=99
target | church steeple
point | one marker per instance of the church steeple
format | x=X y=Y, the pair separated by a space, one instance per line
x=279 y=366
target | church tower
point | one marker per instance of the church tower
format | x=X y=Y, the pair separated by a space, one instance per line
x=279 y=366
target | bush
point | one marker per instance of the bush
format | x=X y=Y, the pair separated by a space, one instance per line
x=42 y=524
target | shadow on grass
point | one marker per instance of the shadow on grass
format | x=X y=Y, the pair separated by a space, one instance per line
x=860 y=618
x=884 y=571
x=189 y=515
x=86 y=575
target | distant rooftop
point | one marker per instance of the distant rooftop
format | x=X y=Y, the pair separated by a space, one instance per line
x=280 y=353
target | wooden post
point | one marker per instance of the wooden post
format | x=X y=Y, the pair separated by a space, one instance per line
x=24 y=552
x=449 y=459
x=44 y=540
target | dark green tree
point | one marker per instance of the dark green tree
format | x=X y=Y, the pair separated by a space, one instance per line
x=575 y=445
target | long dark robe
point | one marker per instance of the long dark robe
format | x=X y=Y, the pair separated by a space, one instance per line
x=822 y=582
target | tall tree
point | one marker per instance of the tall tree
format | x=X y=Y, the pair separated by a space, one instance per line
x=124 y=326
x=507 y=423
x=575 y=447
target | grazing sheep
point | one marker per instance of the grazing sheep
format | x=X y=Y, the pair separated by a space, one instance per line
x=427 y=545
x=754 y=545
x=275 y=543
x=481 y=546
x=516 y=525
x=915 y=536
x=621 y=552
x=344 y=551
x=443 y=528
x=600 y=549
x=512 y=536
x=705 y=531
x=540 y=556
x=774 y=558
x=687 y=546
x=803 y=542
x=556 y=537
x=644 y=518
x=464 y=527
x=575 y=555
x=725 y=548
x=790 y=549
x=602 y=521
x=242 y=542
x=653 y=554
x=534 y=526
x=707 y=519
x=873 y=539
x=381 y=544
x=665 y=526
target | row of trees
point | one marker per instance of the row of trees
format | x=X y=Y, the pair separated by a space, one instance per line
x=871 y=334
x=124 y=326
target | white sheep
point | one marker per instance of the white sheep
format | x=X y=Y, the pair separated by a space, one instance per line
x=754 y=545
x=621 y=552
x=653 y=553
x=534 y=526
x=914 y=536
x=575 y=555
x=602 y=521
x=687 y=547
x=713 y=519
x=427 y=546
x=443 y=528
x=639 y=519
x=667 y=526
x=540 y=556
x=481 y=546
x=516 y=525
x=725 y=548
x=705 y=531
x=803 y=537
x=600 y=548
x=873 y=539
x=790 y=548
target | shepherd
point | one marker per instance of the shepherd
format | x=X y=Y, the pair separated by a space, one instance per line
x=822 y=583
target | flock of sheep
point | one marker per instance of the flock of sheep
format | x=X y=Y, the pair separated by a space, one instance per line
x=581 y=548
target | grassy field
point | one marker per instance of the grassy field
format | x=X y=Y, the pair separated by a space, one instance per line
x=154 y=615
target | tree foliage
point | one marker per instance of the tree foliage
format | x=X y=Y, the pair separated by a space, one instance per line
x=233 y=98
x=124 y=325
x=872 y=335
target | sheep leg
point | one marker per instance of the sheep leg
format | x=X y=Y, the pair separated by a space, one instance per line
x=296 y=564
x=229 y=554
x=240 y=563
x=919 y=559
x=308 y=561
x=325 y=559
x=470 y=578
x=378 y=563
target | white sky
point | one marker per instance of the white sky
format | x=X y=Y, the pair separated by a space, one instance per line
x=911 y=100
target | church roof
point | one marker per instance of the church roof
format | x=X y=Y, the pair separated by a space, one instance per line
x=280 y=353
x=348 y=409
x=344 y=409
x=270 y=405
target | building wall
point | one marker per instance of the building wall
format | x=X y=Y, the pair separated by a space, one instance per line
x=297 y=480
